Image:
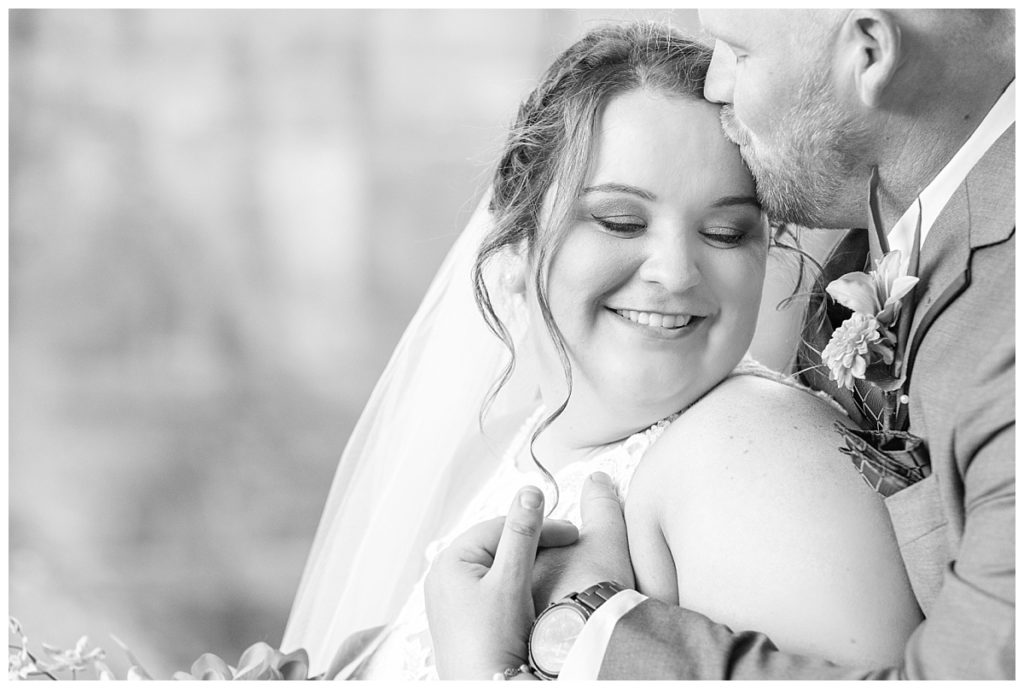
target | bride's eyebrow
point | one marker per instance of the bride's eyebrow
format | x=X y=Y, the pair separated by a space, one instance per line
x=622 y=189
x=726 y=201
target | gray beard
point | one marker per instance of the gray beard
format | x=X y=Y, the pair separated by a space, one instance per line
x=800 y=176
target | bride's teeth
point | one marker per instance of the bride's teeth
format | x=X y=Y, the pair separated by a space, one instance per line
x=656 y=320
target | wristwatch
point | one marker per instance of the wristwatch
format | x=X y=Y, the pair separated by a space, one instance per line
x=556 y=628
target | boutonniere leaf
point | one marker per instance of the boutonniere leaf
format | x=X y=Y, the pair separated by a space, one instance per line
x=878 y=241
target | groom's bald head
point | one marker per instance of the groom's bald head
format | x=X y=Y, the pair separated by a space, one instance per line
x=816 y=98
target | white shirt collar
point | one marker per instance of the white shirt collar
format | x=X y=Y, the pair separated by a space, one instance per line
x=940 y=190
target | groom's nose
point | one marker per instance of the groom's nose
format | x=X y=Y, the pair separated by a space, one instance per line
x=721 y=75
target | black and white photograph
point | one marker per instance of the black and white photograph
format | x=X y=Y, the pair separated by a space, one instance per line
x=511 y=344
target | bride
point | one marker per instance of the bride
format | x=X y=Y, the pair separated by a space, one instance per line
x=621 y=262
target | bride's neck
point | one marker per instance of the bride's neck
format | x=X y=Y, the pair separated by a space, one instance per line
x=563 y=443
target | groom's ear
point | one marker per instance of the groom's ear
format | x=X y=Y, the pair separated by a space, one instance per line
x=873 y=41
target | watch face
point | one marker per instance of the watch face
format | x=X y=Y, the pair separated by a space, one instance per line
x=553 y=637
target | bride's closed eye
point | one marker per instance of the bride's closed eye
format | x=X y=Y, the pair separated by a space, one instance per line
x=724 y=237
x=625 y=225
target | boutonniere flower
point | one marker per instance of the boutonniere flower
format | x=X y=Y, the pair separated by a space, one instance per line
x=865 y=346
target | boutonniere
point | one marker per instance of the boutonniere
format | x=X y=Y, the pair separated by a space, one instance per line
x=868 y=346
x=871 y=345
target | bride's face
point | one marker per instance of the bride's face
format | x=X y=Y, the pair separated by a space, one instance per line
x=656 y=285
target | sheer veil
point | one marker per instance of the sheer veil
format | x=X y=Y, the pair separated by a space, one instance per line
x=391 y=493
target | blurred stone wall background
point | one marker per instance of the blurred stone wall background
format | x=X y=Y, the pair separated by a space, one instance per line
x=220 y=222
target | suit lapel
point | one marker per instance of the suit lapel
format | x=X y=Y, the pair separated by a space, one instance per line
x=944 y=269
x=978 y=213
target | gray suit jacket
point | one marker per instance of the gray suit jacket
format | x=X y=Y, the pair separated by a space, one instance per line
x=955 y=528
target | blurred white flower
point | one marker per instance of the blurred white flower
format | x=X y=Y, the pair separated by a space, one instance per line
x=72 y=659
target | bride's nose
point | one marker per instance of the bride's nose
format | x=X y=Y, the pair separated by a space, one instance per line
x=670 y=261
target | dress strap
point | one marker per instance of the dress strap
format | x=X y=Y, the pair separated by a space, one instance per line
x=749 y=366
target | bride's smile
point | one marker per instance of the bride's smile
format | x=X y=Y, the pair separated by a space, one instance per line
x=655 y=320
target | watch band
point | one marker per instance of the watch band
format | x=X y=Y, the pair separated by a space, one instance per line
x=593 y=597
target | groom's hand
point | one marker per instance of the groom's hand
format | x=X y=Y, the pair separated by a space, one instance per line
x=600 y=554
x=478 y=591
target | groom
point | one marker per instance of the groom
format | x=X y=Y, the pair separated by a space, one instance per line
x=815 y=100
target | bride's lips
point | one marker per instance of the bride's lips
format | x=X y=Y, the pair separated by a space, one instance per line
x=657 y=321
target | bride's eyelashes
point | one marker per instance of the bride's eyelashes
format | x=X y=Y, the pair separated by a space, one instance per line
x=724 y=237
x=631 y=226
x=624 y=225
x=734 y=228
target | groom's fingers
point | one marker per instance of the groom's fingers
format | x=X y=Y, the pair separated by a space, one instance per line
x=476 y=545
x=556 y=533
x=600 y=509
x=604 y=530
x=520 y=536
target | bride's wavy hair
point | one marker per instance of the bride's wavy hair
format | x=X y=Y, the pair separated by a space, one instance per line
x=544 y=163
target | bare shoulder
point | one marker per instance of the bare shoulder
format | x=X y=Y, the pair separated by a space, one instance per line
x=748 y=443
x=770 y=527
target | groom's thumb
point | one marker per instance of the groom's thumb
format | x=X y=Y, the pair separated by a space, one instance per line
x=517 y=548
x=600 y=509
x=603 y=534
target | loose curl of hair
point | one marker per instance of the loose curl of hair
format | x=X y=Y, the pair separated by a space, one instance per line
x=549 y=149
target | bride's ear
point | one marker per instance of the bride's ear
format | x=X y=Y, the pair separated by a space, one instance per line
x=872 y=42
x=517 y=269
x=509 y=297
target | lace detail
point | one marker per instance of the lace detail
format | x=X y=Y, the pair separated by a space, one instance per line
x=404 y=651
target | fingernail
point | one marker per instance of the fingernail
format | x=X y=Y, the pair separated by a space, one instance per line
x=602 y=478
x=530 y=498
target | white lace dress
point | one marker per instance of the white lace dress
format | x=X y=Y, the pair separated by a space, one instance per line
x=404 y=651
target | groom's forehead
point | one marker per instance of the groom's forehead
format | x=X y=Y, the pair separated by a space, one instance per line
x=726 y=24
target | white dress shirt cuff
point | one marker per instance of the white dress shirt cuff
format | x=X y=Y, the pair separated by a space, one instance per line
x=584 y=660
